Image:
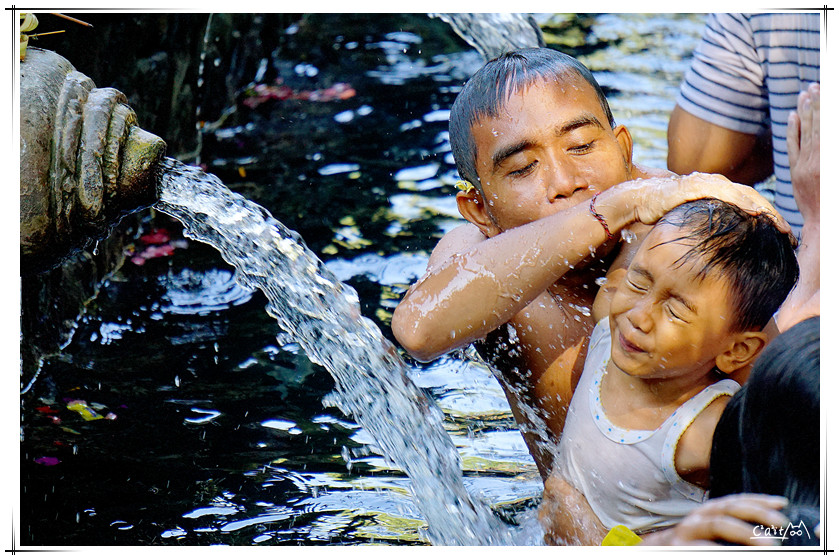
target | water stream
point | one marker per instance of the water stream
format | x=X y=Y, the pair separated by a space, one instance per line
x=323 y=316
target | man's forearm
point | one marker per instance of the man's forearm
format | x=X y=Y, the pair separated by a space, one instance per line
x=475 y=292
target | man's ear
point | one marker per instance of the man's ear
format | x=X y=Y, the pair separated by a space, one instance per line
x=472 y=207
x=743 y=350
x=624 y=139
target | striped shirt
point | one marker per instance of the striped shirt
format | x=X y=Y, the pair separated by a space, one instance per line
x=746 y=75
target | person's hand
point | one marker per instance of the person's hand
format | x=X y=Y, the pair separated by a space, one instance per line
x=655 y=197
x=803 y=145
x=734 y=519
x=567 y=516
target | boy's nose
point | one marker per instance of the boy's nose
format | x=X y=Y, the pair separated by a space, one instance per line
x=640 y=315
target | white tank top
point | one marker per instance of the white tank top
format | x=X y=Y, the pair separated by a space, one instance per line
x=628 y=476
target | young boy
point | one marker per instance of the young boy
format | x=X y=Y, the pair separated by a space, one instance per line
x=533 y=134
x=689 y=312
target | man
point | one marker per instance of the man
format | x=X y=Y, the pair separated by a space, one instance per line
x=533 y=134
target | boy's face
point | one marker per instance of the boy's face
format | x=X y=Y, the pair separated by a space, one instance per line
x=665 y=320
x=550 y=143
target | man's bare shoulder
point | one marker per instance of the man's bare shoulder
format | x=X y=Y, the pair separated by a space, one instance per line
x=460 y=239
x=644 y=172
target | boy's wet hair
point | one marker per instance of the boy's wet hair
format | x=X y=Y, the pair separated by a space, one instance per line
x=486 y=93
x=749 y=252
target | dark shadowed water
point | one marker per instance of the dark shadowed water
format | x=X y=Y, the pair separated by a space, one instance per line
x=180 y=413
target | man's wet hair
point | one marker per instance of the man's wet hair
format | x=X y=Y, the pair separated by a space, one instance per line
x=749 y=252
x=486 y=93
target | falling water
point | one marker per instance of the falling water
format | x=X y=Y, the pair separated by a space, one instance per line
x=494 y=34
x=323 y=316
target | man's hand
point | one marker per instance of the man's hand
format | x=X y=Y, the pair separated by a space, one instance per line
x=734 y=519
x=652 y=198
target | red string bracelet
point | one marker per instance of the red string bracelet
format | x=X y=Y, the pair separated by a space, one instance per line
x=600 y=218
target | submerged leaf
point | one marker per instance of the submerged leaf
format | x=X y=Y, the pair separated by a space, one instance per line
x=84 y=410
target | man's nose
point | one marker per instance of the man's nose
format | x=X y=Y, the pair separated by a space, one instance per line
x=563 y=180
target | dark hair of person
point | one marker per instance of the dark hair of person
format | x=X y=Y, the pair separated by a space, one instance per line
x=486 y=93
x=767 y=439
x=757 y=261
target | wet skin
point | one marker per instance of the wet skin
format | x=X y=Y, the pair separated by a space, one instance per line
x=666 y=321
x=550 y=148
x=672 y=336
x=520 y=279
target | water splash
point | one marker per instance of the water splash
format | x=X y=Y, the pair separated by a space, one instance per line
x=493 y=34
x=323 y=316
x=628 y=236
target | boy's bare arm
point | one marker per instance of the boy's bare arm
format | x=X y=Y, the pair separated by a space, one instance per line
x=693 y=452
x=476 y=289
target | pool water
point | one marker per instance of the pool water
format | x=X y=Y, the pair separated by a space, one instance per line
x=180 y=414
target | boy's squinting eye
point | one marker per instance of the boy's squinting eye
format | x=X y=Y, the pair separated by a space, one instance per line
x=635 y=287
x=672 y=313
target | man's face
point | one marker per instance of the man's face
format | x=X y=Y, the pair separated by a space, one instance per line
x=550 y=148
x=665 y=320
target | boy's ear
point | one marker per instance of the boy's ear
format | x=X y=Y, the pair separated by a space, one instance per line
x=624 y=139
x=743 y=350
x=472 y=207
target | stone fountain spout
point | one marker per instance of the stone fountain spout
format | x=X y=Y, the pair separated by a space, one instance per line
x=84 y=162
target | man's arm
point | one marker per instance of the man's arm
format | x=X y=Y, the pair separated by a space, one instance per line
x=478 y=289
x=718 y=124
x=694 y=144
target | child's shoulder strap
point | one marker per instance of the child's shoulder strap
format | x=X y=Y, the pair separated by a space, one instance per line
x=679 y=422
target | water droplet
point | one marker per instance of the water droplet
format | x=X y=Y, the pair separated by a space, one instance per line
x=628 y=236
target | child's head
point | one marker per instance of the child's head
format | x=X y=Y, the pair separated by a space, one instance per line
x=533 y=132
x=701 y=287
